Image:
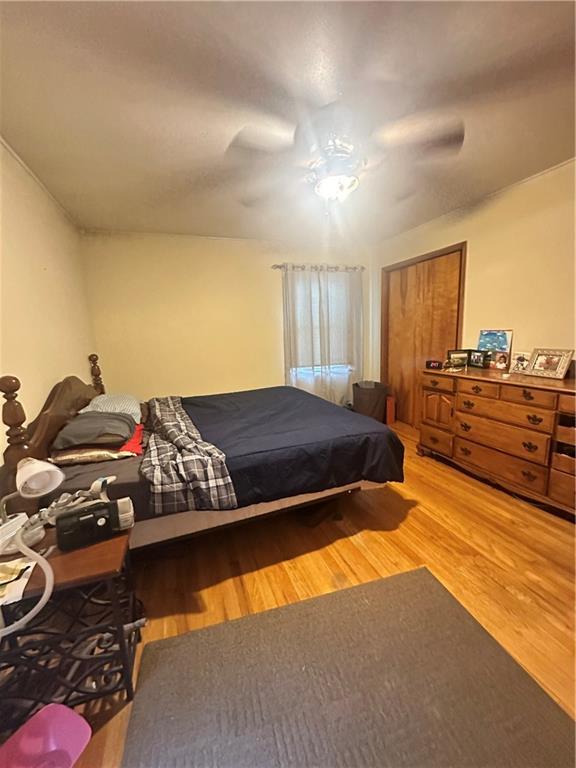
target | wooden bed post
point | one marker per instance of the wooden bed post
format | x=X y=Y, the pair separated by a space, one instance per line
x=96 y=374
x=13 y=417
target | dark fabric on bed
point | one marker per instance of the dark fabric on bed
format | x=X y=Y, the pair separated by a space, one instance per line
x=129 y=482
x=281 y=441
x=95 y=428
x=278 y=442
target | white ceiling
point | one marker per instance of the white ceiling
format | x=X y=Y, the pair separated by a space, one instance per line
x=125 y=109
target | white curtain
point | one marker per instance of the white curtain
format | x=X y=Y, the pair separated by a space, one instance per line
x=323 y=328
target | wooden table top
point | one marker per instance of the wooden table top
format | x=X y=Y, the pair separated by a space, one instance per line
x=489 y=374
x=97 y=562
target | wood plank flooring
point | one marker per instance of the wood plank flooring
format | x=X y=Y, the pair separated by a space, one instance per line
x=510 y=564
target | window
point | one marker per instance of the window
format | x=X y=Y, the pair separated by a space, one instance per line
x=323 y=328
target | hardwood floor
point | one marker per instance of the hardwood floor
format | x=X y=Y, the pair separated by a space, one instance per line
x=510 y=564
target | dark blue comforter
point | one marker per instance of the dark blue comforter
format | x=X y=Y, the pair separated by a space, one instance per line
x=282 y=441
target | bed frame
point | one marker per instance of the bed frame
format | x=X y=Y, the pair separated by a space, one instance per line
x=64 y=401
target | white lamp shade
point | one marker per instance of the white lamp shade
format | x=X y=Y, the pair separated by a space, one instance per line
x=36 y=478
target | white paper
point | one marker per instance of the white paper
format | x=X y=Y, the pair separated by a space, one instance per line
x=12 y=591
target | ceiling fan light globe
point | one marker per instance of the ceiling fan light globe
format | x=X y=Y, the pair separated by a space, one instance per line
x=336 y=187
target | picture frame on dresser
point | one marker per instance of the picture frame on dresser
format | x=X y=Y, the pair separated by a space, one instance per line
x=458 y=358
x=520 y=361
x=475 y=358
x=479 y=358
x=549 y=363
x=498 y=342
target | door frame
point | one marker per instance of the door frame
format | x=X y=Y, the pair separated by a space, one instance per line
x=384 y=320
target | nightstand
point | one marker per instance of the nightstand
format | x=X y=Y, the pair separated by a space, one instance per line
x=82 y=645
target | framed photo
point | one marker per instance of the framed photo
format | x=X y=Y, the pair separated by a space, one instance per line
x=499 y=344
x=479 y=359
x=551 y=363
x=458 y=358
x=520 y=361
x=500 y=360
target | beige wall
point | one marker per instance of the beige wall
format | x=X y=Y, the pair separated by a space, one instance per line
x=45 y=332
x=520 y=264
x=176 y=314
x=180 y=314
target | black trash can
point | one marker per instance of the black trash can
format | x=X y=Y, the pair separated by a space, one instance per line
x=369 y=399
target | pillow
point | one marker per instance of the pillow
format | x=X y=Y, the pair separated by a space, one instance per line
x=112 y=429
x=88 y=456
x=115 y=404
x=134 y=444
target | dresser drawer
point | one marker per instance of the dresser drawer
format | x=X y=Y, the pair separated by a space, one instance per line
x=566 y=434
x=436 y=440
x=525 y=443
x=532 y=418
x=440 y=383
x=564 y=463
x=566 y=403
x=478 y=388
x=527 y=395
x=561 y=487
x=522 y=473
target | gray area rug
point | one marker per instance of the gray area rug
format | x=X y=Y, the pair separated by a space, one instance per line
x=392 y=673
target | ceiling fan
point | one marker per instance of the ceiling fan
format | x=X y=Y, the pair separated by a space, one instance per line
x=332 y=148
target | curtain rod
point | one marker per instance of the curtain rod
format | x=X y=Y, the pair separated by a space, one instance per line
x=321 y=267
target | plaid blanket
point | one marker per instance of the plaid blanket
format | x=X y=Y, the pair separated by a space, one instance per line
x=184 y=471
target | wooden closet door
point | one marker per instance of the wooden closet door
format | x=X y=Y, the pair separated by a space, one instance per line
x=420 y=321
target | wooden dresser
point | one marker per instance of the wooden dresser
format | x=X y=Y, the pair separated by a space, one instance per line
x=519 y=432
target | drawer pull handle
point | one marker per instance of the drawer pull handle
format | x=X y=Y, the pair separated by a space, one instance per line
x=530 y=476
x=468 y=404
x=465 y=451
x=533 y=419
x=465 y=427
x=433 y=439
x=434 y=382
x=527 y=395
x=476 y=389
x=530 y=447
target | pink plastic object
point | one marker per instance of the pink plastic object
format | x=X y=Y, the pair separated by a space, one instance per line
x=54 y=737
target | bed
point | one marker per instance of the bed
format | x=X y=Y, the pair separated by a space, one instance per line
x=284 y=448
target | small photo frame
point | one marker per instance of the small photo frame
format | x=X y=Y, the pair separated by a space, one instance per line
x=549 y=363
x=479 y=359
x=520 y=362
x=500 y=361
x=458 y=358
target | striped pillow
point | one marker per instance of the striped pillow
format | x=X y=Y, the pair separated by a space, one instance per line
x=115 y=404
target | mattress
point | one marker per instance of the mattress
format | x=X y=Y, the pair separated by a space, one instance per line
x=278 y=442
x=282 y=441
x=128 y=481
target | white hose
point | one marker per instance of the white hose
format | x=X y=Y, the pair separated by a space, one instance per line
x=48 y=586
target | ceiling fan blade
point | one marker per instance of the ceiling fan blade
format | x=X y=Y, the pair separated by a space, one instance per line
x=214 y=178
x=178 y=190
x=423 y=133
x=257 y=201
x=283 y=187
x=268 y=137
x=256 y=146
